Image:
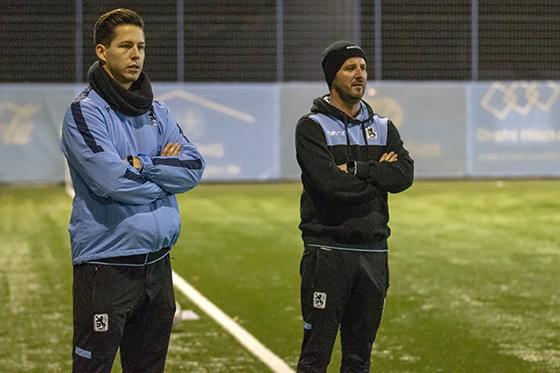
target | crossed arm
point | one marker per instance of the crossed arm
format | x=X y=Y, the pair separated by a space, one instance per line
x=393 y=172
x=386 y=157
x=91 y=154
x=169 y=150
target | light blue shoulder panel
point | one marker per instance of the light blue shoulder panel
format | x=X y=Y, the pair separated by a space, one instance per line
x=376 y=130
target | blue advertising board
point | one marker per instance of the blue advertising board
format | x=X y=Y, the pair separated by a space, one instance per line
x=513 y=129
x=235 y=127
x=246 y=131
x=30 y=121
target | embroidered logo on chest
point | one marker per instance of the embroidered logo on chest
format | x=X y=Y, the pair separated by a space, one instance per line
x=153 y=117
x=371 y=133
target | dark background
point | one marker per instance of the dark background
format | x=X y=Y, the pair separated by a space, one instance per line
x=267 y=41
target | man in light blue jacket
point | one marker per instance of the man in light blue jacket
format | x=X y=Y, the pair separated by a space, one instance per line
x=128 y=158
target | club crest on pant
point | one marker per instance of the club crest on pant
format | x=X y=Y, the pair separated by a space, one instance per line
x=319 y=300
x=100 y=322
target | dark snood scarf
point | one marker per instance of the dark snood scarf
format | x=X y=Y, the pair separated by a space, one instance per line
x=133 y=102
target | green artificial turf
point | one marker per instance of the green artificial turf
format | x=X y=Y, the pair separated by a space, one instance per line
x=474 y=273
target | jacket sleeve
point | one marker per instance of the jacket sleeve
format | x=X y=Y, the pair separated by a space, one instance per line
x=174 y=174
x=392 y=177
x=89 y=150
x=320 y=172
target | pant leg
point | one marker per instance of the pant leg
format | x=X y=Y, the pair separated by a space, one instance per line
x=147 y=331
x=362 y=318
x=102 y=296
x=324 y=291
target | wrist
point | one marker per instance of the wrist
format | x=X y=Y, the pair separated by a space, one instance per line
x=351 y=167
x=363 y=170
x=134 y=162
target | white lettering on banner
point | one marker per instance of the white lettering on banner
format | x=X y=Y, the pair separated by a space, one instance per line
x=534 y=135
x=424 y=150
x=212 y=150
x=514 y=136
x=228 y=170
x=17 y=122
x=497 y=136
x=519 y=157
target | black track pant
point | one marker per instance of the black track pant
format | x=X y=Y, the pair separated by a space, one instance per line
x=126 y=307
x=346 y=290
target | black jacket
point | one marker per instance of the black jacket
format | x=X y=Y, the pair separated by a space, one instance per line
x=348 y=210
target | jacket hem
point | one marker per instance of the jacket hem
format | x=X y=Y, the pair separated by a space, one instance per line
x=378 y=246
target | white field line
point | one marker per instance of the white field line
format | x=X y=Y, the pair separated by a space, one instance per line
x=276 y=364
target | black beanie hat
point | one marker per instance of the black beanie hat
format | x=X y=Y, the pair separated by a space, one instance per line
x=336 y=54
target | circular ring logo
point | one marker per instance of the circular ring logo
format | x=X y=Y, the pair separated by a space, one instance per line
x=522 y=97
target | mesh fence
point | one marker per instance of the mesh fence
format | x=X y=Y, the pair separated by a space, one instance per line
x=282 y=40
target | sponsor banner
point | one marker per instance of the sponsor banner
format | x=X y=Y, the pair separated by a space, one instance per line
x=430 y=118
x=234 y=126
x=30 y=120
x=513 y=129
x=246 y=131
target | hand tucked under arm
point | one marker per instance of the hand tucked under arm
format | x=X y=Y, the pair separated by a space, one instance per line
x=320 y=172
x=171 y=150
x=394 y=172
x=389 y=157
x=179 y=166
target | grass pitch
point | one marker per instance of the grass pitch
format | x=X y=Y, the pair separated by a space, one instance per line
x=474 y=274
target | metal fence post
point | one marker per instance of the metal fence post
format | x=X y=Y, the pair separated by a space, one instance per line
x=378 y=45
x=474 y=40
x=79 y=40
x=279 y=40
x=181 y=40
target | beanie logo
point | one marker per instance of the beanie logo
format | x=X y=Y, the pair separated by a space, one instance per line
x=353 y=47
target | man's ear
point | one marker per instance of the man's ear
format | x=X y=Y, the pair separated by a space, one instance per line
x=100 y=50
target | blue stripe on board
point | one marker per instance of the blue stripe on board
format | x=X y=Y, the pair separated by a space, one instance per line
x=195 y=164
x=83 y=128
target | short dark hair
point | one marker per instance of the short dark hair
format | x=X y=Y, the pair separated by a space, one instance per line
x=103 y=32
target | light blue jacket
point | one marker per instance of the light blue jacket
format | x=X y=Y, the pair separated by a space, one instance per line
x=118 y=211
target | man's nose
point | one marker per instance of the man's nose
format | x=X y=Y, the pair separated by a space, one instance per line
x=359 y=72
x=135 y=53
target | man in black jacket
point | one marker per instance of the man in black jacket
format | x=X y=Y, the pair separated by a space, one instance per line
x=350 y=159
